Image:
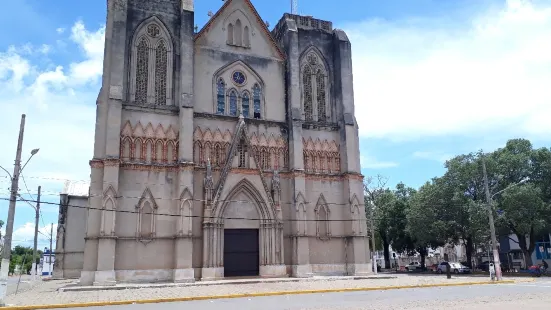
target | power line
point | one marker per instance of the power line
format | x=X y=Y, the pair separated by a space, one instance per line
x=198 y=216
x=212 y=217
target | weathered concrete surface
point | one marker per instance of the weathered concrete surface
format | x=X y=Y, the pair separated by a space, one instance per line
x=47 y=292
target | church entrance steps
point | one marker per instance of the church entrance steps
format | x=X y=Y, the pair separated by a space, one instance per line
x=236 y=280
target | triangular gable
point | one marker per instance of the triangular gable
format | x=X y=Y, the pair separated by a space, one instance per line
x=240 y=132
x=262 y=26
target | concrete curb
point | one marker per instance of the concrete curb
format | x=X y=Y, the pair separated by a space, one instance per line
x=215 y=283
x=192 y=298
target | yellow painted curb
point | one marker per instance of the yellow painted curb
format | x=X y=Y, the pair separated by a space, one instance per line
x=192 y=298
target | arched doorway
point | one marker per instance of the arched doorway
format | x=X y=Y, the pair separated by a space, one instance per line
x=241 y=236
x=242 y=230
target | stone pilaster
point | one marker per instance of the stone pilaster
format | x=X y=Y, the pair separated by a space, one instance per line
x=301 y=253
x=358 y=250
x=183 y=251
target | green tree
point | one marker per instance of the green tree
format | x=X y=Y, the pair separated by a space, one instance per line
x=526 y=216
x=426 y=223
x=525 y=210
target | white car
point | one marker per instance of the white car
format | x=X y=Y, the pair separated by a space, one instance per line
x=413 y=266
x=454 y=268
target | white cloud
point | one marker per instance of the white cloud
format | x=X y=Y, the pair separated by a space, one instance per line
x=370 y=162
x=487 y=74
x=24 y=235
x=437 y=156
x=59 y=104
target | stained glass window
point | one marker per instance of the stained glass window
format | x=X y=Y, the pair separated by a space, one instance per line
x=320 y=95
x=142 y=65
x=220 y=100
x=307 y=89
x=256 y=100
x=245 y=104
x=233 y=103
x=160 y=73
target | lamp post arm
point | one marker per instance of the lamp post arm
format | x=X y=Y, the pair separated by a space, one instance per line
x=7 y=172
x=20 y=171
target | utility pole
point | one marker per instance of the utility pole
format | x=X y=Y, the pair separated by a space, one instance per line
x=373 y=262
x=37 y=216
x=51 y=239
x=6 y=255
x=497 y=263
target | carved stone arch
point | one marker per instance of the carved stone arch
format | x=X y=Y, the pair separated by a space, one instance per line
x=146 y=219
x=238 y=20
x=315 y=64
x=301 y=224
x=265 y=211
x=354 y=201
x=323 y=225
x=160 y=55
x=108 y=212
x=185 y=220
x=224 y=74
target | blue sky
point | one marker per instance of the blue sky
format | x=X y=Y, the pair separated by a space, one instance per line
x=432 y=79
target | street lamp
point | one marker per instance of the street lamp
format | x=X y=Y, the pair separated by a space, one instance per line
x=497 y=261
x=6 y=255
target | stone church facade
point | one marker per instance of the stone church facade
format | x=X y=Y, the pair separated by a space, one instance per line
x=226 y=151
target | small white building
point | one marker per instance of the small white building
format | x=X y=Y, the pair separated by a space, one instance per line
x=47 y=262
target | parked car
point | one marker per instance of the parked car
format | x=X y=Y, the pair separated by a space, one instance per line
x=413 y=266
x=454 y=268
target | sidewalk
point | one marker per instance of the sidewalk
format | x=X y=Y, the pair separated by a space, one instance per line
x=50 y=293
x=128 y=286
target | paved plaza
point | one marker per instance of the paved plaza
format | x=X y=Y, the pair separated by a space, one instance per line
x=48 y=292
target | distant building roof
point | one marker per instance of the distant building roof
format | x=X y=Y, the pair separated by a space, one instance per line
x=76 y=188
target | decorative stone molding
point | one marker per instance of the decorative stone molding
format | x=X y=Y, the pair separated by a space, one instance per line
x=149 y=144
x=185 y=222
x=108 y=212
x=271 y=150
x=146 y=217
x=323 y=225
x=301 y=217
x=321 y=156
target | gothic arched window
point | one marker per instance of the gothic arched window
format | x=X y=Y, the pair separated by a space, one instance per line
x=242 y=152
x=246 y=38
x=320 y=95
x=245 y=104
x=151 y=64
x=256 y=100
x=314 y=87
x=233 y=103
x=160 y=73
x=230 y=33
x=238 y=37
x=220 y=100
x=307 y=93
x=142 y=66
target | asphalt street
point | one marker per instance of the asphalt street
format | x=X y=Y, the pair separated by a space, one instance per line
x=535 y=295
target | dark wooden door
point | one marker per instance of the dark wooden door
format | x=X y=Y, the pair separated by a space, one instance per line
x=241 y=255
